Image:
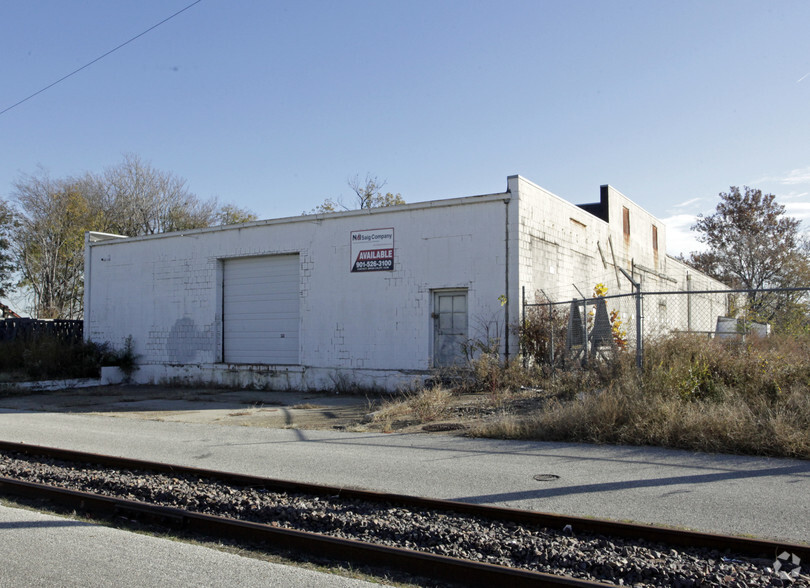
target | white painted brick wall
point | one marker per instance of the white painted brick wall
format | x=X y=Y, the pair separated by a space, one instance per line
x=165 y=291
x=559 y=254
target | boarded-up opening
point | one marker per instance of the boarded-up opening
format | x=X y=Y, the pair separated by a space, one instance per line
x=626 y=222
x=260 y=310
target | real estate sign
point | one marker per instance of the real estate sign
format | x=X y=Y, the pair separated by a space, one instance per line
x=372 y=250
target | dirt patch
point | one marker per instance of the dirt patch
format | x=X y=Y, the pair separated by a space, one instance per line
x=426 y=412
x=442 y=427
x=446 y=412
x=248 y=408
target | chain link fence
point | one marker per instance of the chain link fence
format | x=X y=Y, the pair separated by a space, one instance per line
x=577 y=331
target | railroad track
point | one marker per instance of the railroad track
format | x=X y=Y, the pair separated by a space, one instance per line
x=133 y=495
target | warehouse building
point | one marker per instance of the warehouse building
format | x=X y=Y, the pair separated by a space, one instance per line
x=376 y=297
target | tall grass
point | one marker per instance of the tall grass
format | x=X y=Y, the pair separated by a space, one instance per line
x=424 y=406
x=749 y=397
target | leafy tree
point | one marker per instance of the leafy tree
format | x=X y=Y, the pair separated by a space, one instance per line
x=131 y=198
x=752 y=244
x=6 y=258
x=230 y=214
x=326 y=206
x=49 y=243
x=368 y=193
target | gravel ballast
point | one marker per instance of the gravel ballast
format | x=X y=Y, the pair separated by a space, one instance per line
x=611 y=560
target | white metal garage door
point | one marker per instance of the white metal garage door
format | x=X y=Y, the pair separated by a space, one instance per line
x=260 y=309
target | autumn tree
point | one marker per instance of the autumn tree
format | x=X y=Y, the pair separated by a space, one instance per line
x=137 y=199
x=49 y=243
x=230 y=214
x=752 y=244
x=368 y=193
x=131 y=198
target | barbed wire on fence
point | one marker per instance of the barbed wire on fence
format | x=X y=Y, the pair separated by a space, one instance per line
x=582 y=289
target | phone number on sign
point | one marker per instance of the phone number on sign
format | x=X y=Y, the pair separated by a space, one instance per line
x=382 y=264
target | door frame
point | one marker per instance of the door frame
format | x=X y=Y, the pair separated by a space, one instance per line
x=434 y=319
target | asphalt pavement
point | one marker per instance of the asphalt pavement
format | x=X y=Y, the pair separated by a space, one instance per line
x=43 y=550
x=760 y=497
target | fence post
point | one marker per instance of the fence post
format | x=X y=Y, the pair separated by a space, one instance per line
x=522 y=336
x=639 y=320
x=689 y=302
x=584 y=332
x=551 y=338
x=639 y=329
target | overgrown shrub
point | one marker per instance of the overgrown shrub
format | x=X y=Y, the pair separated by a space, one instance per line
x=732 y=396
x=541 y=333
x=47 y=358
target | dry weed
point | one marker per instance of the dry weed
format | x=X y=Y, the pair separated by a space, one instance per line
x=419 y=407
x=748 y=397
x=430 y=404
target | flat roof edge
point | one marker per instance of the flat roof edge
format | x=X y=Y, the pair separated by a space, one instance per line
x=318 y=217
x=96 y=236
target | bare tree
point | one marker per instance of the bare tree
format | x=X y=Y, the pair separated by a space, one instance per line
x=138 y=199
x=368 y=193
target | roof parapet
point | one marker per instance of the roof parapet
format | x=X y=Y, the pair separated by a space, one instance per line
x=600 y=209
x=95 y=237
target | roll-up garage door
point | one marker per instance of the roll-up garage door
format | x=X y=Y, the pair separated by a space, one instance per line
x=260 y=309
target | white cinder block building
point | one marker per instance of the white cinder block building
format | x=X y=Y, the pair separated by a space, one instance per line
x=374 y=297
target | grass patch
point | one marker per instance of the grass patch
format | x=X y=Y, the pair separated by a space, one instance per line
x=749 y=398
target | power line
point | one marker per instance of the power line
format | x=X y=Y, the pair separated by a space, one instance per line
x=99 y=58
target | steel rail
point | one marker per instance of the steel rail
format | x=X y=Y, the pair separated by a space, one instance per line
x=417 y=562
x=450 y=569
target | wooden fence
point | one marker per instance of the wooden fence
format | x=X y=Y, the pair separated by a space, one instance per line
x=27 y=329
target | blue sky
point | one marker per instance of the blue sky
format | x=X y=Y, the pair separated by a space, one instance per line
x=273 y=105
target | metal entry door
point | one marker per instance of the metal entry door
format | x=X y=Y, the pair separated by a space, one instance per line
x=449 y=327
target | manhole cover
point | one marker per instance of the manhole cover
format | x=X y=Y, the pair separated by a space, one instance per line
x=438 y=427
x=546 y=477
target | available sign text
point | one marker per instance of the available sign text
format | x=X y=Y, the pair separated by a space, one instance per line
x=372 y=250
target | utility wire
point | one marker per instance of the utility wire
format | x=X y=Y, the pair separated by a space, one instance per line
x=85 y=66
